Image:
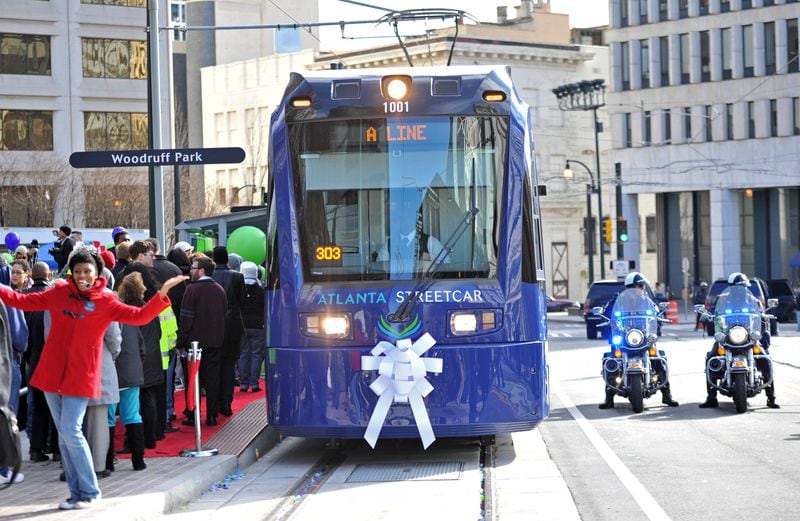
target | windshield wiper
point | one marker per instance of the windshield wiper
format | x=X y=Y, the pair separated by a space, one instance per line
x=403 y=313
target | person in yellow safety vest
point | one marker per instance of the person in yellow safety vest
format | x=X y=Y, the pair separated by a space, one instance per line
x=169 y=336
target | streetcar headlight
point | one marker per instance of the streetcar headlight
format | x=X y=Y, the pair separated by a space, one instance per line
x=463 y=323
x=474 y=321
x=634 y=337
x=494 y=95
x=396 y=87
x=300 y=102
x=738 y=335
x=327 y=325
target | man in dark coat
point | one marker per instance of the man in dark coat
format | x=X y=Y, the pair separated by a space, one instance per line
x=233 y=283
x=203 y=320
x=63 y=247
x=42 y=425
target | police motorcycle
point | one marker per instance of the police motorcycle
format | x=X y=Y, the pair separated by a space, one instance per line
x=738 y=365
x=634 y=368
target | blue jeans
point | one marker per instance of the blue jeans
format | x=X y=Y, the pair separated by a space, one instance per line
x=252 y=357
x=128 y=408
x=68 y=412
x=171 y=385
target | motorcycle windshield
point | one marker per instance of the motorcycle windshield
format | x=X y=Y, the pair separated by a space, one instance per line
x=633 y=310
x=737 y=306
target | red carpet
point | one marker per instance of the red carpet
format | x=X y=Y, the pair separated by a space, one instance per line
x=175 y=442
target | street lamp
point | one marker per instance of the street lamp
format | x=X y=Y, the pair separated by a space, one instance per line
x=587 y=95
x=591 y=188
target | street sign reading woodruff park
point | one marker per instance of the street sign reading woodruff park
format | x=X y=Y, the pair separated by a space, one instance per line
x=178 y=157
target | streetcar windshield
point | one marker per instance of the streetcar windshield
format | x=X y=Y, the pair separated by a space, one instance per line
x=383 y=199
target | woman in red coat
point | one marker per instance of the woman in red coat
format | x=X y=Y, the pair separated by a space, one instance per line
x=70 y=365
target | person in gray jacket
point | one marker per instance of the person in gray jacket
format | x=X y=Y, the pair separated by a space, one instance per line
x=130 y=374
x=96 y=423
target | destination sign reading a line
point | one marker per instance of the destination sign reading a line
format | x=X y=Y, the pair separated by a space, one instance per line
x=179 y=157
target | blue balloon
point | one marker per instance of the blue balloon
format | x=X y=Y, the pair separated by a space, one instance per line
x=12 y=241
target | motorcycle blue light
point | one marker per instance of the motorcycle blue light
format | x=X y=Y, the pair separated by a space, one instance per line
x=617 y=314
x=728 y=311
x=745 y=310
x=616 y=340
x=649 y=312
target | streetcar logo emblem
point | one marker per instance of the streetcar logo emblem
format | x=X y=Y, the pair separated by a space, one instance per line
x=387 y=329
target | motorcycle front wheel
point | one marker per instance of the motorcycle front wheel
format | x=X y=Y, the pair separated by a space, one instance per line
x=636 y=394
x=740 y=392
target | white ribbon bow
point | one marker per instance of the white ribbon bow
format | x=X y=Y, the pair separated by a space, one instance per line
x=401 y=379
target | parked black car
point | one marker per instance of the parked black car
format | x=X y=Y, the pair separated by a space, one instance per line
x=759 y=289
x=787 y=300
x=601 y=293
x=557 y=304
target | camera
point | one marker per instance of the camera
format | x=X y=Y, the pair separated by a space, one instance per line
x=52 y=251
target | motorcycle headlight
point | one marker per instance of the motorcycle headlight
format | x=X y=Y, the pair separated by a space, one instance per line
x=738 y=335
x=634 y=337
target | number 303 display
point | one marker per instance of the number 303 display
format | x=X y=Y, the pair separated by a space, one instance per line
x=329 y=253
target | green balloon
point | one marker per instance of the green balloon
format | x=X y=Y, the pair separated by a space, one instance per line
x=249 y=242
x=10 y=258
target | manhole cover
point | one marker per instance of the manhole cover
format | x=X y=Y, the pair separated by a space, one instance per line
x=428 y=471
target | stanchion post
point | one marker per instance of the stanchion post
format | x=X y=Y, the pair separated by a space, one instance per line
x=195 y=355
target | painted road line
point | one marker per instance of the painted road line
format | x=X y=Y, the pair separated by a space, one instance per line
x=647 y=502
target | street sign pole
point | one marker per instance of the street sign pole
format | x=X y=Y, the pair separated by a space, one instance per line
x=157 y=227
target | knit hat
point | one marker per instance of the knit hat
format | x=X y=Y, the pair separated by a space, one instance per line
x=108 y=259
x=184 y=247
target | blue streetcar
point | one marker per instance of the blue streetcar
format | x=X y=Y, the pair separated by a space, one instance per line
x=405 y=280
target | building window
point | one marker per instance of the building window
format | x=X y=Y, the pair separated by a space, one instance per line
x=703 y=7
x=643 y=11
x=707 y=123
x=124 y=3
x=647 y=130
x=767 y=3
x=729 y=121
x=663 y=52
x=662 y=10
x=751 y=120
x=773 y=118
x=109 y=58
x=644 y=60
x=651 y=233
x=769 y=47
x=623 y=13
x=667 y=127
x=625 y=62
x=705 y=57
x=727 y=53
x=685 y=58
x=747 y=50
x=792 y=45
x=26 y=130
x=115 y=131
x=747 y=4
x=796 y=116
x=687 y=124
x=626 y=124
x=24 y=54
x=724 y=6
x=683 y=8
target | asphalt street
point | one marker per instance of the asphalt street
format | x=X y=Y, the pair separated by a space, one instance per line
x=682 y=463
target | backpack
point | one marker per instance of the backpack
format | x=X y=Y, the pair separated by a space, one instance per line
x=10 y=447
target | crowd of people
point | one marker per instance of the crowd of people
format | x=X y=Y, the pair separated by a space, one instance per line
x=102 y=342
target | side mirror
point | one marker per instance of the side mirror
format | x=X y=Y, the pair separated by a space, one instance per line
x=597 y=310
x=772 y=303
x=663 y=306
x=699 y=308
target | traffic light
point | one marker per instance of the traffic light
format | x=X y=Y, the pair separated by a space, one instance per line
x=622 y=230
x=607 y=230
